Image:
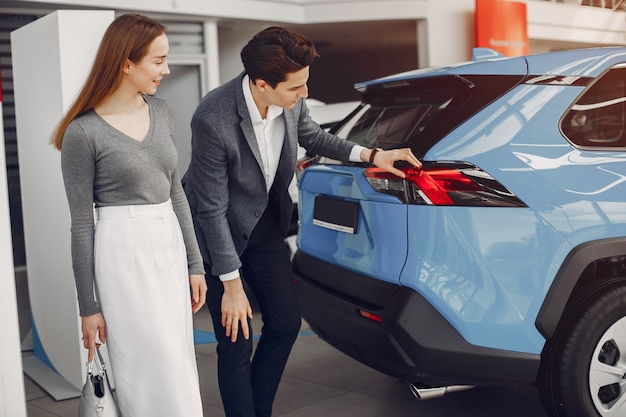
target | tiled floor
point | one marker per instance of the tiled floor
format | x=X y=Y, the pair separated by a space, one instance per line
x=319 y=381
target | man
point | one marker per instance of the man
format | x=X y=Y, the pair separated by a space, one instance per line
x=244 y=143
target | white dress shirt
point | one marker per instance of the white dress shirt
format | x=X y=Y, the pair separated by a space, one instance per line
x=269 y=132
x=270 y=135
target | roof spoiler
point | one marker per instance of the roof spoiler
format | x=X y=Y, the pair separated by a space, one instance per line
x=483 y=54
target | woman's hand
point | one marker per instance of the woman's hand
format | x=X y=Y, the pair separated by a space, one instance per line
x=93 y=329
x=198 y=292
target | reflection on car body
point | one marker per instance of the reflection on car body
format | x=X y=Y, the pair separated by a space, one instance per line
x=502 y=260
x=326 y=115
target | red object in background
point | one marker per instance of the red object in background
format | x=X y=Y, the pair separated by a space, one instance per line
x=502 y=25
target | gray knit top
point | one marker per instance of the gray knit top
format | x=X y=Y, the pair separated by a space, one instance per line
x=102 y=165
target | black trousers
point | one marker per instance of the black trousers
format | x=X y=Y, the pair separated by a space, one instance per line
x=248 y=383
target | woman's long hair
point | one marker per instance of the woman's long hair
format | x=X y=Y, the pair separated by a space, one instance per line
x=128 y=37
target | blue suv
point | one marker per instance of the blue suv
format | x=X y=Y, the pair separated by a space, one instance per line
x=503 y=260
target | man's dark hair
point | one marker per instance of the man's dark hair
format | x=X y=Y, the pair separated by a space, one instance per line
x=275 y=52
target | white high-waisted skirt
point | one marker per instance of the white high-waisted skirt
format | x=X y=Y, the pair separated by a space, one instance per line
x=143 y=288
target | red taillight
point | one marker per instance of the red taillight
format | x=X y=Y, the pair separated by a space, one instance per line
x=301 y=165
x=437 y=183
x=370 y=316
x=443 y=186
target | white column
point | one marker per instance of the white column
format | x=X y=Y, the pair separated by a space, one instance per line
x=51 y=59
x=232 y=38
x=448 y=35
x=212 y=49
x=12 y=402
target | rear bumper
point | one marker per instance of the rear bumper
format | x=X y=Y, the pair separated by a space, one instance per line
x=413 y=343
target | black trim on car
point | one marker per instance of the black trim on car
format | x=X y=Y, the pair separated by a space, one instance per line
x=595 y=120
x=559 y=80
x=414 y=342
x=457 y=98
x=374 y=294
x=571 y=270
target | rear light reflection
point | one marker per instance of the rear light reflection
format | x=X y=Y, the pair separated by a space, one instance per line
x=302 y=164
x=443 y=185
x=370 y=316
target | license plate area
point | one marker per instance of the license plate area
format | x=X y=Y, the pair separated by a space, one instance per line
x=335 y=214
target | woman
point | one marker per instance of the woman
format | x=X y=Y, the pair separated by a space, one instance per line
x=117 y=151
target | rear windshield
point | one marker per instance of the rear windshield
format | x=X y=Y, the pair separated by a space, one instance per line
x=419 y=113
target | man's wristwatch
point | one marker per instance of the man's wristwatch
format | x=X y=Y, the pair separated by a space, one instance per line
x=373 y=154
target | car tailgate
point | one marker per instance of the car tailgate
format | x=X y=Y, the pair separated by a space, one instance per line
x=344 y=222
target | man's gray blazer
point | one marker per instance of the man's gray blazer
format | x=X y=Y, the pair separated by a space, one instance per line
x=225 y=184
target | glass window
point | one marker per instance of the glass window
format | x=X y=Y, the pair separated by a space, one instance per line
x=389 y=127
x=597 y=118
x=417 y=113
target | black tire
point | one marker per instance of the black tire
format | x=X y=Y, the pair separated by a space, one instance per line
x=586 y=363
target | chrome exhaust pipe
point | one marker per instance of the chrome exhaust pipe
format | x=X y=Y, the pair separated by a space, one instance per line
x=436 y=392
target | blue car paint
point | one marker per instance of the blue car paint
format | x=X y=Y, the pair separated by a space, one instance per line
x=484 y=270
x=581 y=63
x=550 y=175
x=510 y=66
x=493 y=140
x=489 y=286
x=376 y=251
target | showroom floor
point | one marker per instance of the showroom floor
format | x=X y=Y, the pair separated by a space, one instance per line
x=318 y=381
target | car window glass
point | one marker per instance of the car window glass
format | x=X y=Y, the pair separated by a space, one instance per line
x=391 y=127
x=597 y=118
x=417 y=113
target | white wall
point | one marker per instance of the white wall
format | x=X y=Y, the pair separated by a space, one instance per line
x=232 y=38
x=447 y=36
x=12 y=402
x=51 y=59
x=445 y=27
x=237 y=9
x=343 y=11
x=450 y=24
x=554 y=26
x=294 y=11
